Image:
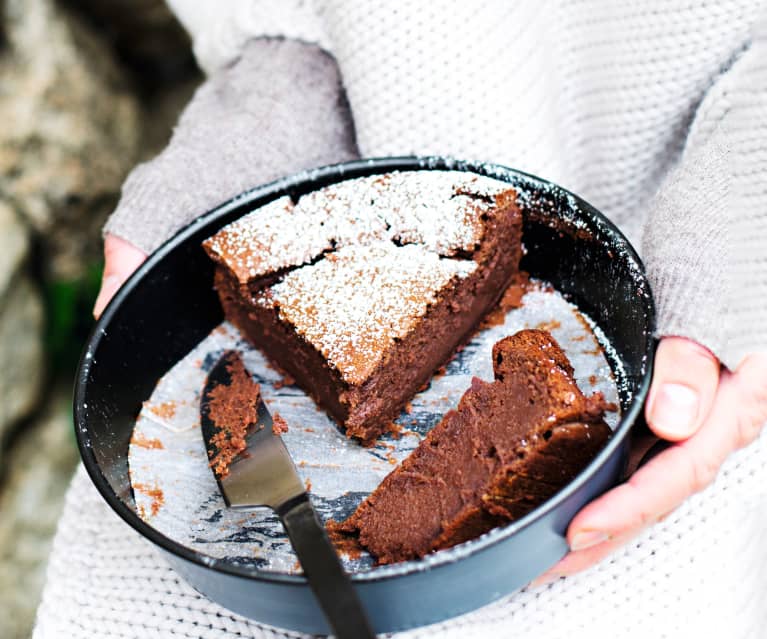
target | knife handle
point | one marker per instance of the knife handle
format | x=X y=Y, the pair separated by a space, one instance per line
x=322 y=567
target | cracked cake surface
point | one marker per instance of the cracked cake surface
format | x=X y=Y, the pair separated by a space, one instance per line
x=361 y=289
x=353 y=305
x=441 y=211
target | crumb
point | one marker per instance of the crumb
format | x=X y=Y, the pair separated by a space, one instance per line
x=308 y=484
x=302 y=463
x=394 y=429
x=495 y=317
x=409 y=408
x=345 y=543
x=142 y=441
x=391 y=459
x=549 y=326
x=511 y=299
x=166 y=410
x=155 y=493
x=593 y=380
x=582 y=321
x=279 y=425
x=308 y=430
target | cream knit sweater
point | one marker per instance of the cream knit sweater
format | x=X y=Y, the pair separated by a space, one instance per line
x=655 y=111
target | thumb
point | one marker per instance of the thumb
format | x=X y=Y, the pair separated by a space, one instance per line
x=121 y=258
x=685 y=379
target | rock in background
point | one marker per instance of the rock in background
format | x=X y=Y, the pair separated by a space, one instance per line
x=74 y=135
x=21 y=326
x=87 y=89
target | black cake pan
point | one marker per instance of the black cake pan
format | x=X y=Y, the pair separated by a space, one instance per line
x=169 y=305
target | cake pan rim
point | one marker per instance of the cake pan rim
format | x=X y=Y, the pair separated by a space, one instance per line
x=272 y=190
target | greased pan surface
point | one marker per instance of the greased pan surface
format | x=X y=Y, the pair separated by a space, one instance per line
x=168 y=306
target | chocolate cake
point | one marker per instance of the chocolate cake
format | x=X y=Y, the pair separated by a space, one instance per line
x=510 y=445
x=360 y=290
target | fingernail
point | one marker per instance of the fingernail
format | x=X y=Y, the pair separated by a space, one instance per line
x=675 y=410
x=587 y=539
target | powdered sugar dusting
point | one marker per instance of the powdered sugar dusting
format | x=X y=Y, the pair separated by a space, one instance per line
x=266 y=240
x=440 y=210
x=353 y=305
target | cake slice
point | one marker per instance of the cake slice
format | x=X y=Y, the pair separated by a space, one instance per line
x=510 y=445
x=362 y=289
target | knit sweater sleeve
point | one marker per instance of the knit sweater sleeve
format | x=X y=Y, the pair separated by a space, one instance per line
x=278 y=109
x=219 y=30
x=705 y=243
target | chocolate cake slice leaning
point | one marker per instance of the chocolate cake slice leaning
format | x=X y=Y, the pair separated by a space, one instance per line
x=510 y=445
x=360 y=290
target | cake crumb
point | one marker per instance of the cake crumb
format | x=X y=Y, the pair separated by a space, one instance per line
x=549 y=326
x=166 y=410
x=395 y=429
x=154 y=493
x=345 y=544
x=279 y=425
x=512 y=298
x=308 y=484
x=142 y=441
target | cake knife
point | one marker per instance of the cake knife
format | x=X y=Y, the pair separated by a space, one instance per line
x=264 y=475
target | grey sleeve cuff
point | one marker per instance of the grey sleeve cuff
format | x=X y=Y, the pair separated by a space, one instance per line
x=705 y=244
x=280 y=108
x=686 y=250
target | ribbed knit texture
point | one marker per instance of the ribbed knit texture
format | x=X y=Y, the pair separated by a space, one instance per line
x=705 y=242
x=654 y=111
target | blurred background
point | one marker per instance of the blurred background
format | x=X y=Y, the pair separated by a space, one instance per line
x=88 y=89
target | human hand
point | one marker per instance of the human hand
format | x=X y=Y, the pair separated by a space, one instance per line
x=121 y=258
x=708 y=412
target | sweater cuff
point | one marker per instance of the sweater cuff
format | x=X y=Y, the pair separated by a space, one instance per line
x=686 y=249
x=278 y=110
